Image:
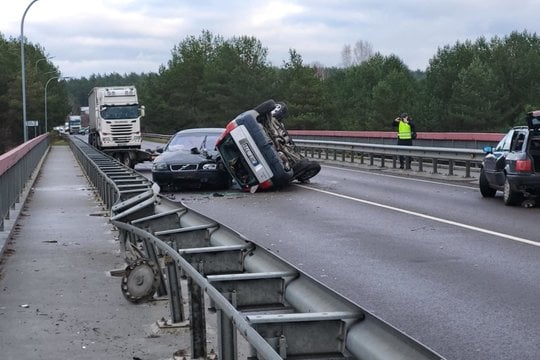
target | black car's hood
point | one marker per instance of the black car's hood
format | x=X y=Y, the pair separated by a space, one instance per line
x=185 y=157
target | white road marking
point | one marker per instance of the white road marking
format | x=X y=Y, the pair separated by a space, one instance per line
x=401 y=177
x=429 y=217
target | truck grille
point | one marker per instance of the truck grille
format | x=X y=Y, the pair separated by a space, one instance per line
x=122 y=133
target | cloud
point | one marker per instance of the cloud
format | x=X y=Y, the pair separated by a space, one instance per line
x=104 y=36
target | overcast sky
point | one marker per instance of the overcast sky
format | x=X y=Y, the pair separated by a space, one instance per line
x=104 y=36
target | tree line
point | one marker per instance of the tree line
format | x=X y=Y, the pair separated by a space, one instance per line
x=472 y=86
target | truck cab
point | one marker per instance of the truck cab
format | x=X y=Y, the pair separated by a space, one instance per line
x=114 y=118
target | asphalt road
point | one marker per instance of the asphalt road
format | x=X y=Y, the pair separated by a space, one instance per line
x=453 y=270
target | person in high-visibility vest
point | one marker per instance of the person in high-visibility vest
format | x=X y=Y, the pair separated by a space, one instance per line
x=406 y=132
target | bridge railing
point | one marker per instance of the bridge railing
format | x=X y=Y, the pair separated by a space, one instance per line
x=382 y=155
x=17 y=167
x=280 y=311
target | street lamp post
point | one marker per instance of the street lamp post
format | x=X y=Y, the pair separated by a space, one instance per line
x=47 y=84
x=44 y=58
x=23 y=75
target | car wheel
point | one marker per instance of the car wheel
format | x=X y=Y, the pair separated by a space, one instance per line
x=485 y=189
x=306 y=169
x=265 y=107
x=510 y=197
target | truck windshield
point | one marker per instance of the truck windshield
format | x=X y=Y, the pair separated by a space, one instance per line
x=120 y=112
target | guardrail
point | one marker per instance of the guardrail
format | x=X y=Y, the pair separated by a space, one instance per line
x=463 y=159
x=280 y=311
x=351 y=152
x=16 y=168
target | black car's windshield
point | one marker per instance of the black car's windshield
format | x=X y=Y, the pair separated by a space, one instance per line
x=195 y=140
x=119 y=112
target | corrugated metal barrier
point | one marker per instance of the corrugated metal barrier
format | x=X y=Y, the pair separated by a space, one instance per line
x=279 y=310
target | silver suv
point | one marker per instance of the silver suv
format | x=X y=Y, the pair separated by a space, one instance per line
x=258 y=151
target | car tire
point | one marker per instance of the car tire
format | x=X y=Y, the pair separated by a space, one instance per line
x=265 y=107
x=510 y=197
x=486 y=190
x=305 y=169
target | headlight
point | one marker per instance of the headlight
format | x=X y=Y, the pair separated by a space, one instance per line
x=159 y=166
x=106 y=139
x=209 y=166
x=137 y=139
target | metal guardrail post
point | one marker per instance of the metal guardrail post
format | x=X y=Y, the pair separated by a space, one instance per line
x=198 y=322
x=174 y=288
x=450 y=167
x=150 y=252
x=227 y=342
x=467 y=169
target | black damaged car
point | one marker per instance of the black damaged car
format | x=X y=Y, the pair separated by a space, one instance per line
x=513 y=166
x=190 y=160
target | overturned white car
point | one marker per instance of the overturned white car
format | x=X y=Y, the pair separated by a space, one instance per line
x=258 y=151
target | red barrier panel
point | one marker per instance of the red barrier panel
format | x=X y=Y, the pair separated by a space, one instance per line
x=10 y=158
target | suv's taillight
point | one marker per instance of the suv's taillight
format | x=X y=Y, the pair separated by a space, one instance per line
x=524 y=165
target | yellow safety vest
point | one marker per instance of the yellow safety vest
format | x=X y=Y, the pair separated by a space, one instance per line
x=404 y=131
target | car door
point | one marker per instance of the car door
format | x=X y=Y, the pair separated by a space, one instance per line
x=495 y=161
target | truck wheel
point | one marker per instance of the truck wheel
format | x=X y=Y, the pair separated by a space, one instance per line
x=126 y=160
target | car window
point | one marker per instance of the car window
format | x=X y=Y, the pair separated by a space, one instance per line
x=518 y=141
x=505 y=143
x=189 y=141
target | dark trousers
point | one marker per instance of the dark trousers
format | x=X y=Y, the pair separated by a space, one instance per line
x=405 y=160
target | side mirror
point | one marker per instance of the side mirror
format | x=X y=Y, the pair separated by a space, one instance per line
x=159 y=150
x=488 y=149
x=142 y=110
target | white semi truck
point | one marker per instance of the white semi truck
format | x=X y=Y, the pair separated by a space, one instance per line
x=115 y=123
x=74 y=124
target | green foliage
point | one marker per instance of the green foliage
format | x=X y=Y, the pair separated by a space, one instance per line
x=485 y=85
x=302 y=90
x=38 y=71
x=371 y=94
